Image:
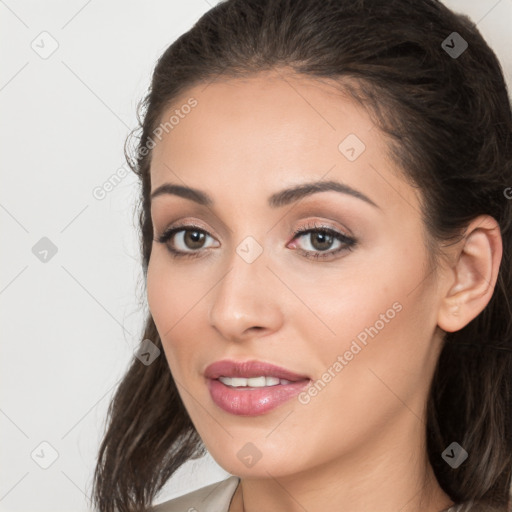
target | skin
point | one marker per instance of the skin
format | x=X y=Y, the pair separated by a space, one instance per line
x=360 y=443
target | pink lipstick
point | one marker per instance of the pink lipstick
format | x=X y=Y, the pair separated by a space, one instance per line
x=252 y=388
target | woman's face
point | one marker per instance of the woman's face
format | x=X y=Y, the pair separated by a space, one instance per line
x=353 y=309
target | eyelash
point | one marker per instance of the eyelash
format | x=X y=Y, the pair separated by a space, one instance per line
x=348 y=242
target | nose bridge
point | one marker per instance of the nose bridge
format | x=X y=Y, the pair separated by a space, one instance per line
x=244 y=297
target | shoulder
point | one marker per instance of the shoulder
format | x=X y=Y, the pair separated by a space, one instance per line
x=212 y=498
x=478 y=506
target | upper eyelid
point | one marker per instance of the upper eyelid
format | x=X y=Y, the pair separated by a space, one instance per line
x=318 y=225
x=311 y=226
x=306 y=210
x=326 y=224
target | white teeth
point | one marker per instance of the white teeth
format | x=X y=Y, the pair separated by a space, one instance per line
x=257 y=382
x=253 y=382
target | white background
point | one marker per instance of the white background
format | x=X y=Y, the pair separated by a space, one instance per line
x=70 y=325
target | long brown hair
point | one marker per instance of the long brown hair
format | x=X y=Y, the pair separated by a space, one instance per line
x=446 y=112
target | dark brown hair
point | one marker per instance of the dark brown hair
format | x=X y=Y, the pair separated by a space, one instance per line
x=448 y=121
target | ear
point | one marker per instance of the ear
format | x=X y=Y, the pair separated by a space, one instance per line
x=473 y=274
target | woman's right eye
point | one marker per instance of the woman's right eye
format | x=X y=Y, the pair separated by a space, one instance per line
x=184 y=241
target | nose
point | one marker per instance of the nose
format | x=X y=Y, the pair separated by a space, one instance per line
x=246 y=300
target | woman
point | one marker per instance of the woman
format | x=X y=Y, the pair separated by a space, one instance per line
x=326 y=238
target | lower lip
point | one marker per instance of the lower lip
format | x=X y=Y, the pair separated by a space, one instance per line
x=252 y=401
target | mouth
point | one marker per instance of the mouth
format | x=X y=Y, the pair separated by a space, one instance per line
x=251 y=373
x=253 y=387
x=254 y=382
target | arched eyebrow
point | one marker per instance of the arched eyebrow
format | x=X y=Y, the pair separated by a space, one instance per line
x=290 y=195
x=276 y=200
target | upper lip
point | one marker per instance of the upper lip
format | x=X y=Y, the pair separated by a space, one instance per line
x=248 y=369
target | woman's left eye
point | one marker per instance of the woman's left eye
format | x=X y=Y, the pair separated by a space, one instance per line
x=190 y=239
x=321 y=239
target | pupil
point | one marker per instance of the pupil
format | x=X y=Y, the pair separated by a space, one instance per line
x=195 y=237
x=325 y=237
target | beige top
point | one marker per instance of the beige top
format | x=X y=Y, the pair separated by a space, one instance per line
x=217 y=498
x=212 y=498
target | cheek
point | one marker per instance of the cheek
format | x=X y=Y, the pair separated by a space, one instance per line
x=368 y=342
x=159 y=294
x=167 y=298
x=375 y=312
x=170 y=293
x=177 y=306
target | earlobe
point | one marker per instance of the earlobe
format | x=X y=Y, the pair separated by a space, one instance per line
x=475 y=272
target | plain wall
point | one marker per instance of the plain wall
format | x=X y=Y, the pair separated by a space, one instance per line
x=70 y=324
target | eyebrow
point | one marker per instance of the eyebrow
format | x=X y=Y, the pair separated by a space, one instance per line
x=279 y=199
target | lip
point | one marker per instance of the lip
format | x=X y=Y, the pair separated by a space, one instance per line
x=248 y=369
x=245 y=401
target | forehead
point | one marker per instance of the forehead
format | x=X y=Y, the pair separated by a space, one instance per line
x=282 y=116
x=261 y=133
